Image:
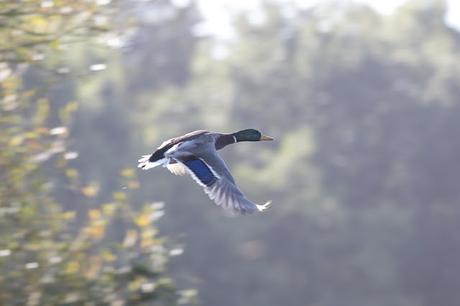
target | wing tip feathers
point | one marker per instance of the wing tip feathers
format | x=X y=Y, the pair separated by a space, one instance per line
x=263 y=207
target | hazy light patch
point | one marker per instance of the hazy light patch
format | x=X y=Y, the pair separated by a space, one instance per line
x=219 y=52
x=47 y=4
x=59 y=130
x=55 y=259
x=70 y=155
x=31 y=265
x=158 y=205
x=218 y=14
x=453 y=14
x=157 y=215
x=63 y=70
x=384 y=7
x=101 y=20
x=148 y=287
x=176 y=252
x=103 y=2
x=98 y=67
x=114 y=41
x=181 y=3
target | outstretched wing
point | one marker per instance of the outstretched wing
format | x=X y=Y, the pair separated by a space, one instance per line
x=229 y=196
x=218 y=184
x=199 y=171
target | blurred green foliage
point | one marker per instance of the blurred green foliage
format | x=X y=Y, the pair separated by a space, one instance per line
x=60 y=245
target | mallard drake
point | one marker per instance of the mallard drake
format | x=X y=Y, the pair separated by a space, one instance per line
x=196 y=153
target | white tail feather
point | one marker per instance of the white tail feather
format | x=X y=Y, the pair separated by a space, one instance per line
x=145 y=164
x=144 y=158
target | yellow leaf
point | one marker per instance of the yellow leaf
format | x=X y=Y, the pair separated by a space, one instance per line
x=147 y=242
x=90 y=191
x=43 y=109
x=143 y=219
x=128 y=172
x=68 y=215
x=94 y=214
x=71 y=173
x=16 y=140
x=108 y=209
x=66 y=112
x=97 y=230
x=135 y=285
x=55 y=44
x=72 y=267
x=108 y=256
x=119 y=196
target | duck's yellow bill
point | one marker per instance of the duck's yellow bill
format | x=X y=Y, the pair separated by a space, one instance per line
x=266 y=138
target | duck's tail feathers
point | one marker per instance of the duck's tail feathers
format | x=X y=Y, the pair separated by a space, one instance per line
x=145 y=163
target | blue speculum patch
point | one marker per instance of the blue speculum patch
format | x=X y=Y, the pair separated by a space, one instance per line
x=201 y=171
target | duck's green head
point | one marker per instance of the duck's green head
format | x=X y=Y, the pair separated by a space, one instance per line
x=250 y=135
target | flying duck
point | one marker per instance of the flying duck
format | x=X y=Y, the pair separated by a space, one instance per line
x=196 y=153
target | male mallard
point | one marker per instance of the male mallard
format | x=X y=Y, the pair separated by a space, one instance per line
x=196 y=153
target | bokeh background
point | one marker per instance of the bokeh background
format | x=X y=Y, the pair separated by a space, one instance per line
x=362 y=98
